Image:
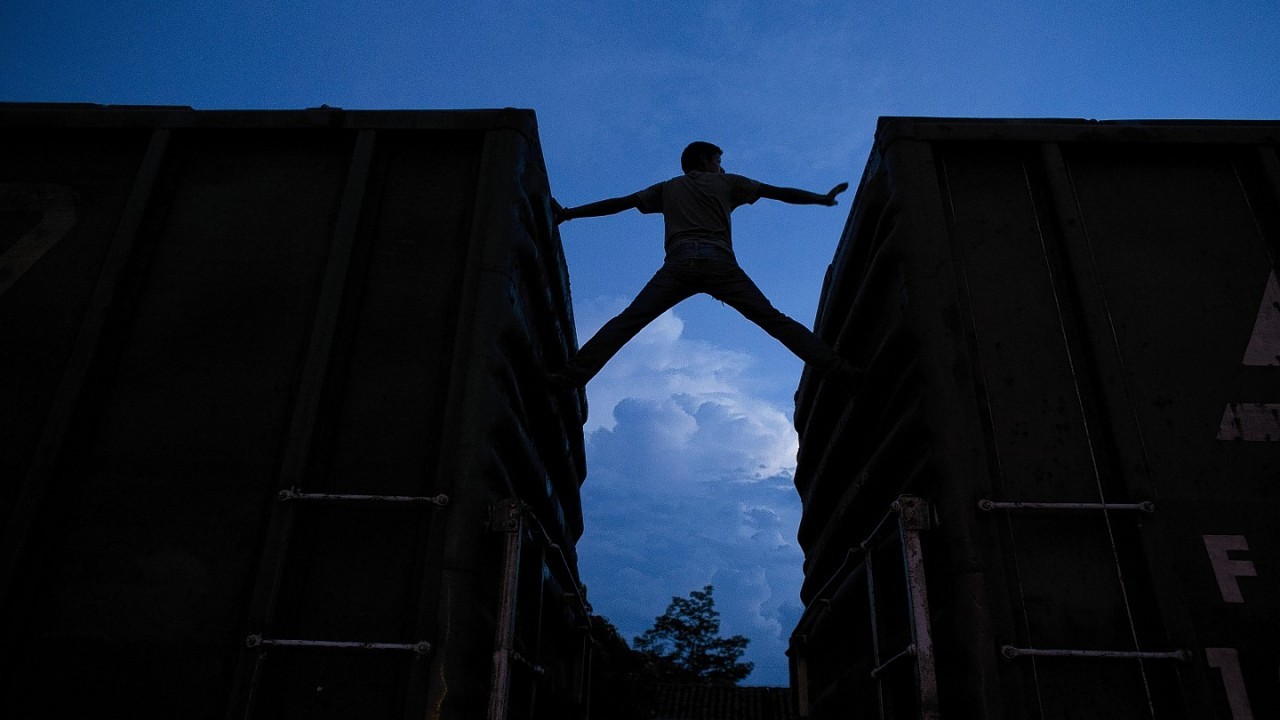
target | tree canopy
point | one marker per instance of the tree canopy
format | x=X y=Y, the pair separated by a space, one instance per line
x=685 y=646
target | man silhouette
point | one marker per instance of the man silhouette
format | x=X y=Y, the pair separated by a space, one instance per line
x=699 y=259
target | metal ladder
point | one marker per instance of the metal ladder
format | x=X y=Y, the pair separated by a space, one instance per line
x=1012 y=652
x=517 y=669
x=260 y=641
x=907 y=519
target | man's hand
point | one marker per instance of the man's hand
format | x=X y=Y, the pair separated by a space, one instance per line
x=558 y=214
x=831 y=194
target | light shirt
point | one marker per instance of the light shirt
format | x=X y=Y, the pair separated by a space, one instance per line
x=697 y=205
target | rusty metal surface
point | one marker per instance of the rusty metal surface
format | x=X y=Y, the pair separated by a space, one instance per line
x=265 y=373
x=1069 y=329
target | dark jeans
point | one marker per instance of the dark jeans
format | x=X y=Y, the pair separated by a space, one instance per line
x=690 y=268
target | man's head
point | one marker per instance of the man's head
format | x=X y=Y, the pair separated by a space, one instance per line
x=701 y=157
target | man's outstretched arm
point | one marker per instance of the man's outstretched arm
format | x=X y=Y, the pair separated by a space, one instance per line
x=595 y=209
x=795 y=196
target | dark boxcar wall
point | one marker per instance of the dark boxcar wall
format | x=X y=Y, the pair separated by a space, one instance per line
x=62 y=193
x=235 y=306
x=1188 y=270
x=167 y=475
x=1059 y=312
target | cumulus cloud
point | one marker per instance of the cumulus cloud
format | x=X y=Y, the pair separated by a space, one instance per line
x=690 y=483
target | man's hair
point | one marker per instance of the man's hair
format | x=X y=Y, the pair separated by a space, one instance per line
x=698 y=156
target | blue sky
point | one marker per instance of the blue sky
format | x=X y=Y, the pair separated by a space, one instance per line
x=690 y=447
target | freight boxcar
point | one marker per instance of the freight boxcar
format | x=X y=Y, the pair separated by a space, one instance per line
x=1055 y=494
x=275 y=441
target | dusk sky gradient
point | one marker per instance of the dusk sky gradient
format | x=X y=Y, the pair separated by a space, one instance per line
x=690 y=447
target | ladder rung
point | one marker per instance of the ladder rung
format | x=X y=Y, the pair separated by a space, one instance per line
x=1145 y=506
x=910 y=651
x=1010 y=652
x=531 y=665
x=421 y=648
x=294 y=495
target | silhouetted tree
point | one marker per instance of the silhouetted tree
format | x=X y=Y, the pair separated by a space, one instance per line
x=685 y=646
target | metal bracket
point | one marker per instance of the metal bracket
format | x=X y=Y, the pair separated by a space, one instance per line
x=914 y=511
x=508 y=516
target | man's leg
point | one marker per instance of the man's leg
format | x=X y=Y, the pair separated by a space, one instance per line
x=729 y=283
x=659 y=295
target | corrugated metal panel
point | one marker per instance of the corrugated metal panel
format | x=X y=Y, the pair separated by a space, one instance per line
x=214 y=324
x=1058 y=312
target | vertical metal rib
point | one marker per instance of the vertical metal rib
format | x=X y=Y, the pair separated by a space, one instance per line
x=1055 y=168
x=303 y=420
x=81 y=359
x=996 y=459
x=875 y=625
x=509 y=519
x=913 y=517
